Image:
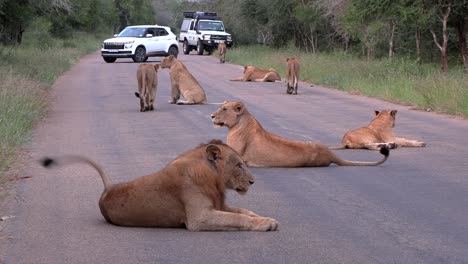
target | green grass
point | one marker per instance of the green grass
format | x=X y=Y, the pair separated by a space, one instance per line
x=26 y=73
x=399 y=80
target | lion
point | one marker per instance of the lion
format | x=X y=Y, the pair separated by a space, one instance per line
x=254 y=74
x=222 y=52
x=259 y=148
x=292 y=75
x=189 y=192
x=377 y=133
x=147 y=76
x=183 y=83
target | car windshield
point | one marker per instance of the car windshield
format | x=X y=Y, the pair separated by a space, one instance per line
x=132 y=32
x=211 y=25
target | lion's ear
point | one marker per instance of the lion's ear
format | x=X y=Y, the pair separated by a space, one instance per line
x=171 y=57
x=156 y=67
x=213 y=152
x=287 y=59
x=393 y=113
x=377 y=112
x=239 y=108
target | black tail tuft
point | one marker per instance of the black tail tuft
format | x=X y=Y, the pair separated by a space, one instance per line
x=385 y=151
x=137 y=94
x=47 y=162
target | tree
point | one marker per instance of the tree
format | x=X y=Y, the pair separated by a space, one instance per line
x=441 y=9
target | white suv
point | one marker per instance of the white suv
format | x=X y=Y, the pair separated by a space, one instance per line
x=139 y=43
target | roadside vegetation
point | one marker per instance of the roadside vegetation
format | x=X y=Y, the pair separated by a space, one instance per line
x=400 y=80
x=27 y=72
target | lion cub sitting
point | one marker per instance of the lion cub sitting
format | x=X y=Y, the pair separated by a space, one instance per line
x=292 y=75
x=147 y=77
x=377 y=133
x=222 y=52
x=254 y=74
x=189 y=192
x=183 y=83
x=261 y=148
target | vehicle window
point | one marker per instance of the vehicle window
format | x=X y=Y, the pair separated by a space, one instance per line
x=211 y=25
x=132 y=32
x=161 y=32
x=191 y=25
x=152 y=31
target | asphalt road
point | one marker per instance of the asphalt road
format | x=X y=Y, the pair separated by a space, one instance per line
x=411 y=209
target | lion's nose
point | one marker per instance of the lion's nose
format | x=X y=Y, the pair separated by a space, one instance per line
x=212 y=116
x=251 y=182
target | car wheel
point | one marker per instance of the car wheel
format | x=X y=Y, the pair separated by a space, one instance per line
x=140 y=55
x=173 y=51
x=109 y=59
x=186 y=47
x=200 y=48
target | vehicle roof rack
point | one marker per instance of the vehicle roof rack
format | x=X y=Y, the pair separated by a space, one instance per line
x=201 y=15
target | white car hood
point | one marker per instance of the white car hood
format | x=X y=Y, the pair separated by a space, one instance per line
x=120 y=40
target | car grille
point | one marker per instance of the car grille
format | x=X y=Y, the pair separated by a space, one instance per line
x=113 y=45
x=218 y=37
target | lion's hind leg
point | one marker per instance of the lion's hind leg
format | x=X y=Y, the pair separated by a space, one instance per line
x=403 y=142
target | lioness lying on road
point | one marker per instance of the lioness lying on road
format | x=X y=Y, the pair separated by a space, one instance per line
x=189 y=192
x=147 y=76
x=222 y=52
x=292 y=75
x=260 y=148
x=377 y=133
x=254 y=74
x=183 y=83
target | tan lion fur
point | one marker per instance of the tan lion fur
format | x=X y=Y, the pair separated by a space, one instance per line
x=183 y=83
x=379 y=132
x=260 y=148
x=147 y=77
x=254 y=74
x=222 y=52
x=292 y=75
x=189 y=192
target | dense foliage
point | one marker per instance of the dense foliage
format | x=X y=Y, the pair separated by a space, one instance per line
x=426 y=30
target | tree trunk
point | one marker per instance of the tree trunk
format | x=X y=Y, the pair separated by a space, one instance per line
x=312 y=40
x=418 y=45
x=462 y=30
x=443 y=47
x=392 y=36
x=346 y=46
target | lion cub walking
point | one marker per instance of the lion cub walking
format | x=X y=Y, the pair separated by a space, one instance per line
x=254 y=74
x=222 y=52
x=376 y=134
x=292 y=75
x=147 y=76
x=189 y=192
x=183 y=83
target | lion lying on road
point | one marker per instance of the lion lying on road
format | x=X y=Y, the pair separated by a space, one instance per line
x=189 y=192
x=260 y=148
x=147 y=76
x=222 y=52
x=292 y=75
x=377 y=133
x=254 y=74
x=183 y=83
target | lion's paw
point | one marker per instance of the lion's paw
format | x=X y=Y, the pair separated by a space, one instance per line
x=267 y=224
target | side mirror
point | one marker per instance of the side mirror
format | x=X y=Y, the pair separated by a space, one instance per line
x=149 y=35
x=115 y=35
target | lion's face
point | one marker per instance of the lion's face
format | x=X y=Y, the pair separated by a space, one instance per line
x=386 y=117
x=168 y=61
x=228 y=114
x=238 y=176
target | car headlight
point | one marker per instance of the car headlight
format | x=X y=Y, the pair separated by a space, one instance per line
x=128 y=46
x=102 y=46
x=206 y=37
x=229 y=38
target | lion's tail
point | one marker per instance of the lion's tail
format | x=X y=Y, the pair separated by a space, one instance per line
x=384 y=151
x=337 y=147
x=70 y=159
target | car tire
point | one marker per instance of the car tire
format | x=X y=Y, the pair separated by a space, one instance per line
x=173 y=51
x=200 y=47
x=109 y=59
x=140 y=55
x=186 y=47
